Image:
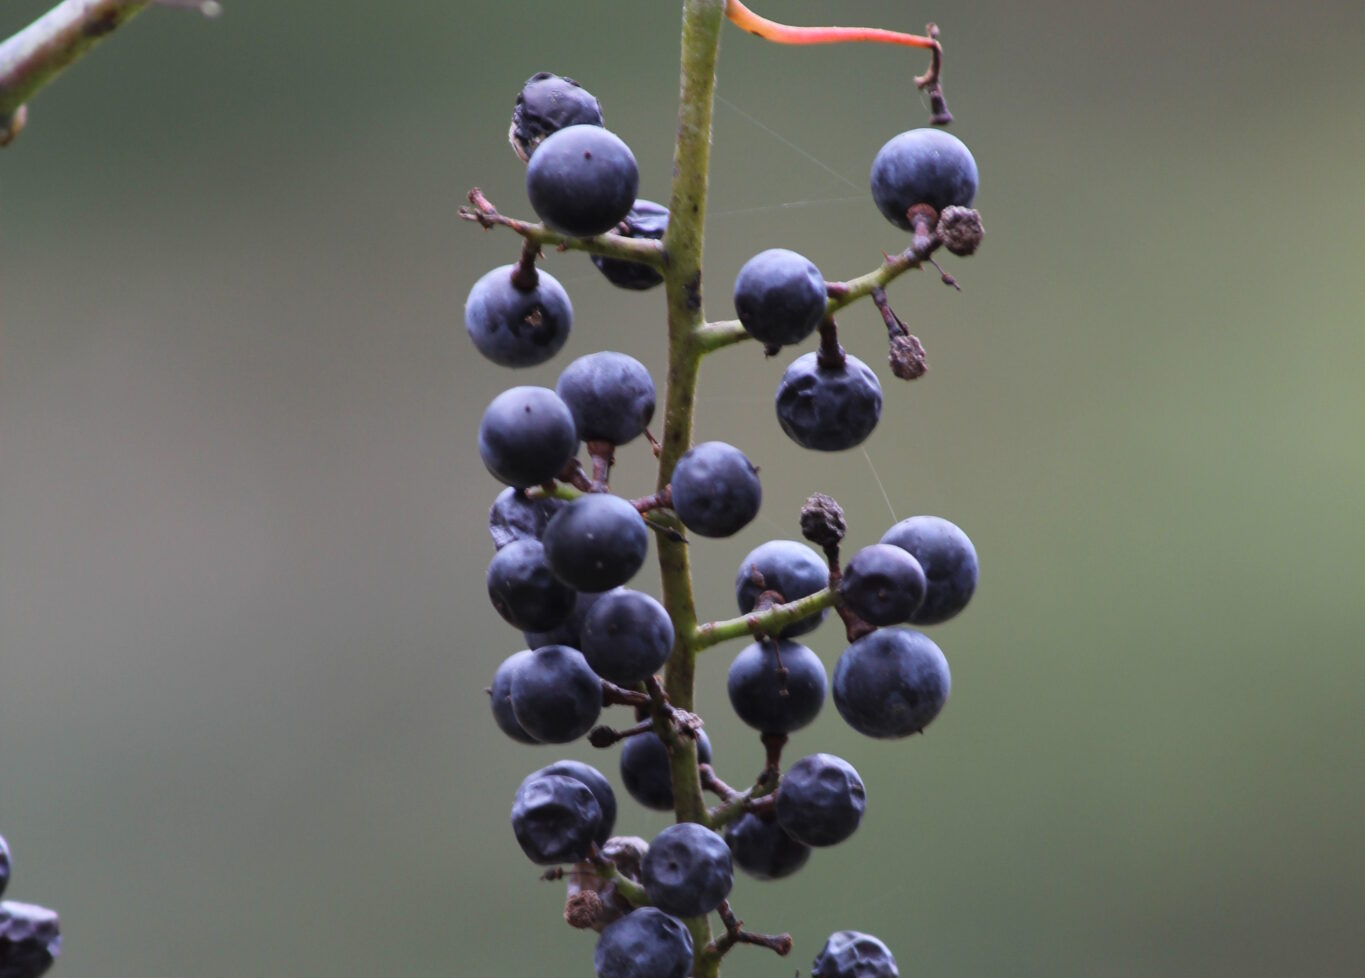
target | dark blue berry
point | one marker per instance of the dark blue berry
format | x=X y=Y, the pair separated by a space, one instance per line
x=500 y=693
x=715 y=488
x=828 y=408
x=851 y=954
x=515 y=516
x=627 y=636
x=891 y=683
x=30 y=939
x=779 y=297
x=949 y=562
x=777 y=686
x=645 y=220
x=791 y=569
x=596 y=783
x=517 y=327
x=524 y=590
x=597 y=542
x=570 y=631
x=645 y=771
x=582 y=180
x=546 y=104
x=820 y=800
x=527 y=436
x=610 y=395
x=556 y=697
x=922 y=166
x=4 y=864
x=645 y=943
x=555 y=819
x=763 y=850
x=688 y=870
x=883 y=584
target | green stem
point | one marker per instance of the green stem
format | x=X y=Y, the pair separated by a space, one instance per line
x=643 y=251
x=767 y=622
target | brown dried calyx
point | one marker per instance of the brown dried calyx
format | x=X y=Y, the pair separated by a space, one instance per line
x=960 y=230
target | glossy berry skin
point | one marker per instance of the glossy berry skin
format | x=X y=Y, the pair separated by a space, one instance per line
x=524 y=590
x=852 y=954
x=891 y=683
x=645 y=220
x=627 y=636
x=645 y=943
x=791 y=569
x=4 y=864
x=595 y=782
x=949 y=562
x=828 y=408
x=515 y=327
x=582 y=181
x=645 y=771
x=883 y=584
x=570 y=631
x=546 y=104
x=688 y=870
x=610 y=395
x=767 y=701
x=514 y=516
x=555 y=818
x=30 y=939
x=555 y=696
x=922 y=166
x=597 y=542
x=500 y=693
x=763 y=850
x=821 y=800
x=716 y=492
x=779 y=297
x=527 y=436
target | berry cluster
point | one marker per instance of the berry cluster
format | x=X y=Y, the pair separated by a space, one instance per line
x=567 y=548
x=30 y=938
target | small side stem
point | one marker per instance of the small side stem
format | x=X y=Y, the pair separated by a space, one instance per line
x=767 y=622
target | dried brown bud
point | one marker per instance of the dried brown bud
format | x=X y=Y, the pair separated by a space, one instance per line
x=961 y=230
x=583 y=910
x=822 y=521
x=907 y=358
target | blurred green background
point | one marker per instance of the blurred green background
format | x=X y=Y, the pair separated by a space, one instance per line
x=243 y=634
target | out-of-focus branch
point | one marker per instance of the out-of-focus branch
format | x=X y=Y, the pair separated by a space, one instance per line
x=41 y=51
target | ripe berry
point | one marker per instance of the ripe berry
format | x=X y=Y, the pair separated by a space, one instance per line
x=524 y=590
x=595 y=782
x=627 y=636
x=821 y=800
x=828 y=408
x=527 y=436
x=922 y=166
x=517 y=327
x=645 y=220
x=546 y=104
x=891 y=683
x=645 y=771
x=688 y=870
x=763 y=850
x=500 y=694
x=949 y=562
x=515 y=516
x=4 y=864
x=570 y=631
x=610 y=395
x=582 y=180
x=779 y=297
x=716 y=491
x=596 y=542
x=645 y=943
x=850 y=954
x=556 y=697
x=770 y=700
x=555 y=818
x=883 y=585
x=791 y=569
x=30 y=939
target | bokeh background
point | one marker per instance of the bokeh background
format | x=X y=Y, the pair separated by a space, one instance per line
x=243 y=633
